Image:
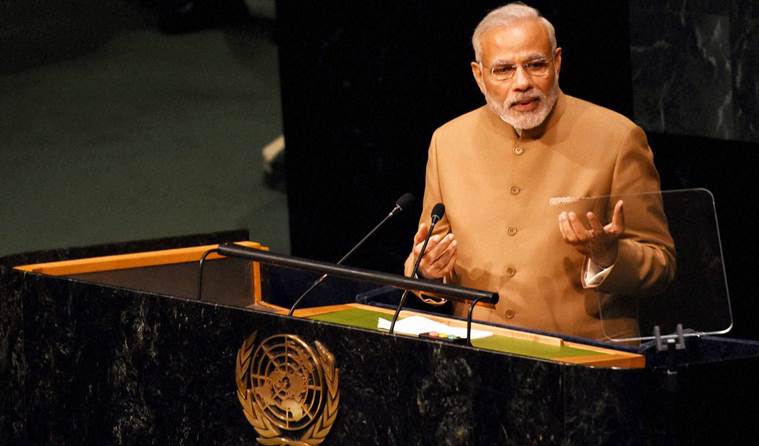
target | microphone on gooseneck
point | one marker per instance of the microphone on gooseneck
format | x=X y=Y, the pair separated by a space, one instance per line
x=401 y=204
x=437 y=214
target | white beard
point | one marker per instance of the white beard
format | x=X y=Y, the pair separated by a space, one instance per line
x=525 y=120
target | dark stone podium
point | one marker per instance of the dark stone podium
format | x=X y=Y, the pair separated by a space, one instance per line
x=131 y=356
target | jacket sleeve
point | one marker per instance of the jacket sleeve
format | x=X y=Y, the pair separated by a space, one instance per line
x=645 y=262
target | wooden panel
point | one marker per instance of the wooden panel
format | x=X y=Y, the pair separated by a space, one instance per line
x=126 y=261
x=142 y=260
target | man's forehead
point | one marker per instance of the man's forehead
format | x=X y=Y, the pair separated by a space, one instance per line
x=516 y=42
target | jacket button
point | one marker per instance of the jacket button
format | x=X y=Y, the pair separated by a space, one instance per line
x=511 y=272
x=509 y=313
x=518 y=150
x=511 y=230
x=514 y=190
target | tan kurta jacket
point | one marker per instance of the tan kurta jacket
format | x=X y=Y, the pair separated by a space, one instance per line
x=503 y=194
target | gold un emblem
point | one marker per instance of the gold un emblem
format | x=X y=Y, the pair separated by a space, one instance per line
x=287 y=389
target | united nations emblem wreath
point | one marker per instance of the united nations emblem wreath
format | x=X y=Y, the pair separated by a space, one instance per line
x=289 y=391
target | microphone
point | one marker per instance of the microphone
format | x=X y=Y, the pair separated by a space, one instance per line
x=437 y=214
x=401 y=204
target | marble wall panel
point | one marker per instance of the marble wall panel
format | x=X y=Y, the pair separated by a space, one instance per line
x=682 y=73
x=12 y=361
x=693 y=67
x=745 y=57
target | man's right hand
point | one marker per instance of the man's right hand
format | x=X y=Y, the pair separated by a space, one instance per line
x=439 y=256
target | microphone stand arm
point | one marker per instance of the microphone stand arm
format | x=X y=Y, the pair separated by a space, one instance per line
x=404 y=296
x=345 y=257
x=394 y=280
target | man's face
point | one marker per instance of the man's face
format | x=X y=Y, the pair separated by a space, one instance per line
x=526 y=99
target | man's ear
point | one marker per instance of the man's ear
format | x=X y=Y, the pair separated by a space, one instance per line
x=477 y=73
x=557 y=59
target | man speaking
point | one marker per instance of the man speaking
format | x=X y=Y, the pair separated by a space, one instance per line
x=498 y=168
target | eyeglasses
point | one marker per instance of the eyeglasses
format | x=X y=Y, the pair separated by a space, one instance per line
x=507 y=71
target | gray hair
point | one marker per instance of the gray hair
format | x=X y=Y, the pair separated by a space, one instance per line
x=506 y=16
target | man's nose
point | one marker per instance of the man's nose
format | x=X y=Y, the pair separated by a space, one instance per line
x=522 y=80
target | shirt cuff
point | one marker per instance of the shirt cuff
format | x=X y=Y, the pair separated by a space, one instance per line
x=593 y=275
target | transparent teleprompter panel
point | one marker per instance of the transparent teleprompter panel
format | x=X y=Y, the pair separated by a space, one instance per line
x=669 y=268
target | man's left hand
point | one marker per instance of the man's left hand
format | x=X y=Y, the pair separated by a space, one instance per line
x=598 y=242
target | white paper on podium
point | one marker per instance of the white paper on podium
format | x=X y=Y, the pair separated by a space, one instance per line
x=415 y=325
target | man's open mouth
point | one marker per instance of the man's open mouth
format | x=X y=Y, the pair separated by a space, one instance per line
x=525 y=104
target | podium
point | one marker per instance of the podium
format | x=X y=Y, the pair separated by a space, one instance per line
x=115 y=344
